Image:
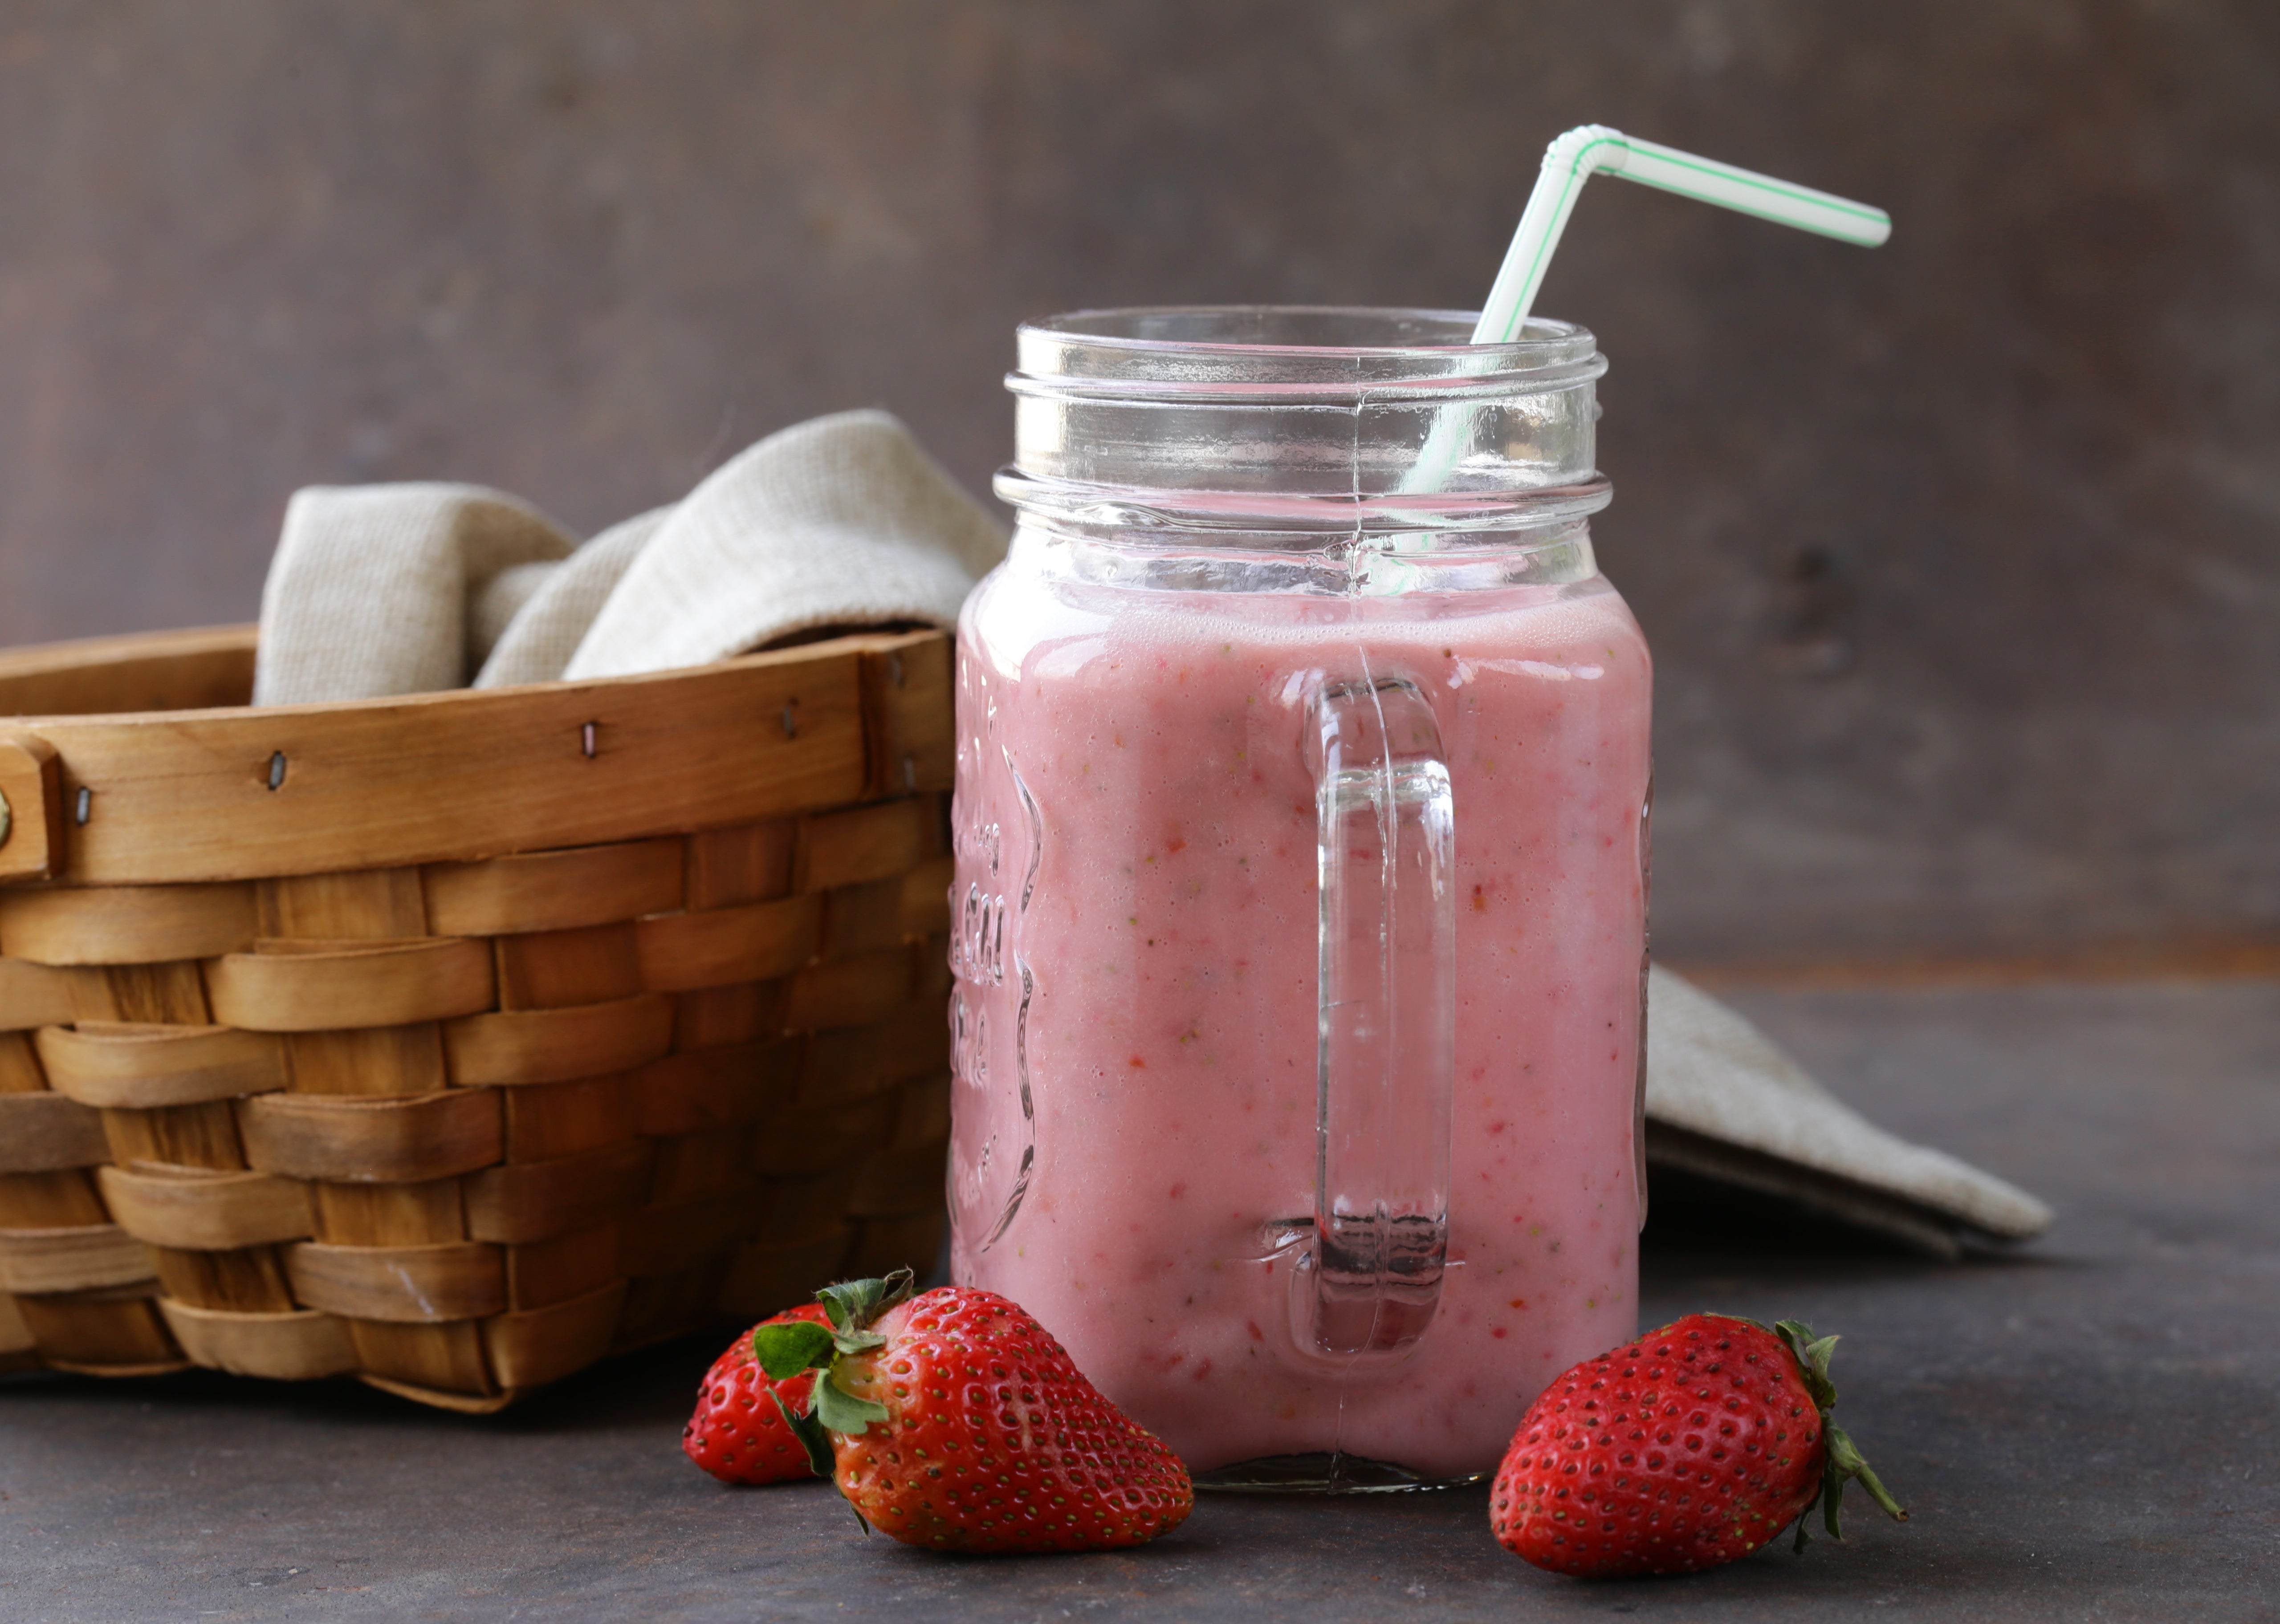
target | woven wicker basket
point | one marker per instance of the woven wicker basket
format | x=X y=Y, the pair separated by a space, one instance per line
x=456 y=1041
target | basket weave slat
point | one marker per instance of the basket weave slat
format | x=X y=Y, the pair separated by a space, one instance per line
x=32 y=995
x=19 y=1350
x=136 y=1068
x=555 y=890
x=455 y=1041
x=558 y=1045
x=107 y=1333
x=705 y=1090
x=544 y=1121
x=336 y=986
x=83 y=1258
x=43 y=1133
x=207 y=1211
x=538 y=1200
x=104 y=925
x=296 y=1346
x=543 y=1273
x=528 y=1347
x=727 y=946
x=439 y=1283
x=367 y=1140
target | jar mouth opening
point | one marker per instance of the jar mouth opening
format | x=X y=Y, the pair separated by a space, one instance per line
x=1307 y=329
x=1174 y=349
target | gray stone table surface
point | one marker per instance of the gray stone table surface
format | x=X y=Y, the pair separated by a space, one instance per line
x=2083 y=1430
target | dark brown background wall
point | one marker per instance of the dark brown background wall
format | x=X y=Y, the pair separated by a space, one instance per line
x=1961 y=557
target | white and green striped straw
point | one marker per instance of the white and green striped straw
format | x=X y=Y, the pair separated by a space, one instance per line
x=1594 y=149
x=1570 y=160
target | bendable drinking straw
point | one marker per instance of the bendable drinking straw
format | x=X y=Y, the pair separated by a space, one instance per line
x=1594 y=149
x=1571 y=158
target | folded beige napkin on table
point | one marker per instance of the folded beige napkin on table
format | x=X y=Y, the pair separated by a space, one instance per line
x=844 y=520
x=1722 y=1102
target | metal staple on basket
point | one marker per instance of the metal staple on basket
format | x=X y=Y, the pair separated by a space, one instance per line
x=421 y=1041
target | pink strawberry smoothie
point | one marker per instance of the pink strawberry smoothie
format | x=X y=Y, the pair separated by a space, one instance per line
x=1135 y=852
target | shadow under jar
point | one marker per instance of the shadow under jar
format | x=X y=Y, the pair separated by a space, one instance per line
x=1301 y=850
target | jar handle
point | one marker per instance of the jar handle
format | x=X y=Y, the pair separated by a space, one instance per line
x=1386 y=1019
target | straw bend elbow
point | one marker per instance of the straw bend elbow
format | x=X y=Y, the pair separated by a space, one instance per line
x=1587 y=148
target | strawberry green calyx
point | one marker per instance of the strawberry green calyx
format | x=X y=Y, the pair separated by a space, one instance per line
x=1844 y=1463
x=786 y=1349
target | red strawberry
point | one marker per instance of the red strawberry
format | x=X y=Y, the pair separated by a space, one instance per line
x=959 y=1424
x=737 y=1433
x=1693 y=1446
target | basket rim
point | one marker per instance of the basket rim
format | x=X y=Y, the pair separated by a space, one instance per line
x=28 y=661
x=237 y=792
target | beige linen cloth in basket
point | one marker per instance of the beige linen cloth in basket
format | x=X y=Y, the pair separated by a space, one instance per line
x=844 y=520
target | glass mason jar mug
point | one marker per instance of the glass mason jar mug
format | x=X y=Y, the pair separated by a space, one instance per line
x=1301 y=873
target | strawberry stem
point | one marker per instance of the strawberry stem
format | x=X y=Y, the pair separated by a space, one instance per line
x=854 y=1303
x=810 y=1434
x=1843 y=1461
x=786 y=1348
